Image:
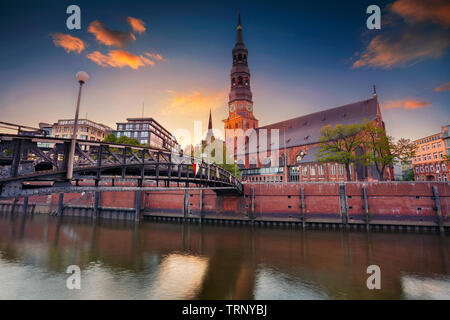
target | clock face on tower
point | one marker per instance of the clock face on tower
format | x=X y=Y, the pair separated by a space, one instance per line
x=232 y=107
x=249 y=108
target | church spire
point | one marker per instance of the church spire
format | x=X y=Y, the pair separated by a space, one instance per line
x=239 y=38
x=210 y=121
x=210 y=133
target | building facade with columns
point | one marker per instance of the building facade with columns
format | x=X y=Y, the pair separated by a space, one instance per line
x=286 y=151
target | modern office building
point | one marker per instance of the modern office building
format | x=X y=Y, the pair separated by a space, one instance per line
x=87 y=130
x=430 y=161
x=147 y=131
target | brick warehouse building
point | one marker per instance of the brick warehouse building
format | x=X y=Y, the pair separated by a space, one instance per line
x=429 y=162
x=298 y=137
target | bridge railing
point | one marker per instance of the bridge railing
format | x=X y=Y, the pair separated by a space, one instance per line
x=99 y=154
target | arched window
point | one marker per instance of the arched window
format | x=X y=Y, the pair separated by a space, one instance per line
x=240 y=57
x=239 y=80
x=245 y=57
x=281 y=160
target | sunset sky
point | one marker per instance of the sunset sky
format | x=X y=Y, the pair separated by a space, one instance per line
x=175 y=57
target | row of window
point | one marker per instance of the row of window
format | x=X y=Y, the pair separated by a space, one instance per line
x=428 y=156
x=82 y=129
x=263 y=179
x=430 y=168
x=433 y=146
x=133 y=134
x=429 y=139
x=438 y=178
x=320 y=170
x=131 y=126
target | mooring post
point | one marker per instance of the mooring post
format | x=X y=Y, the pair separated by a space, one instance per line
x=437 y=203
x=201 y=206
x=137 y=211
x=96 y=202
x=13 y=208
x=60 y=204
x=366 y=208
x=252 y=206
x=343 y=204
x=303 y=206
x=185 y=204
x=25 y=205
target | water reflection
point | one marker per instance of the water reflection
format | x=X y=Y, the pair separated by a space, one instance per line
x=147 y=260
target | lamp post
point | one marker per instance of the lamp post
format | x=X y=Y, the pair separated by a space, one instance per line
x=235 y=163
x=82 y=77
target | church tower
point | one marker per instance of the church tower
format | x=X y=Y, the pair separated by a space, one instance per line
x=240 y=103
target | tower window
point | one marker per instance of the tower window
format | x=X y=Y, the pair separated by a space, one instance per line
x=239 y=80
x=240 y=57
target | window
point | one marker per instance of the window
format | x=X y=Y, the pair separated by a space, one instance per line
x=438 y=168
x=423 y=148
x=439 y=145
x=441 y=155
x=429 y=156
x=341 y=170
x=422 y=178
x=435 y=155
x=305 y=171
x=312 y=171
x=298 y=159
x=443 y=167
x=438 y=177
x=417 y=169
x=321 y=170
x=444 y=177
x=431 y=168
x=333 y=169
x=434 y=145
x=144 y=141
x=428 y=147
x=426 y=168
x=421 y=169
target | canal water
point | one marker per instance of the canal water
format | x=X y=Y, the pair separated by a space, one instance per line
x=154 y=260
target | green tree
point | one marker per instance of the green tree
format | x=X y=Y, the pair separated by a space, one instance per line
x=411 y=175
x=340 y=144
x=111 y=138
x=383 y=151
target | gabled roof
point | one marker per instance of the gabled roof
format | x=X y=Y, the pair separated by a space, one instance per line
x=306 y=129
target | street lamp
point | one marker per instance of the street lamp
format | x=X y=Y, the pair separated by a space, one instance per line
x=235 y=163
x=82 y=78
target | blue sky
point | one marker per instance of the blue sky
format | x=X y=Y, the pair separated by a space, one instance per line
x=301 y=56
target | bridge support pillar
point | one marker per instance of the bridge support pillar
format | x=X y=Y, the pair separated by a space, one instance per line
x=60 y=204
x=25 y=205
x=137 y=210
x=96 y=202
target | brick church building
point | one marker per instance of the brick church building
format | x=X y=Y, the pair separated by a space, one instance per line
x=298 y=138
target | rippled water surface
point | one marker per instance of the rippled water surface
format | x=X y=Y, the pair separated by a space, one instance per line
x=149 y=260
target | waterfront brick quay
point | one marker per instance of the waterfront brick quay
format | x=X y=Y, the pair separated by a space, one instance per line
x=376 y=205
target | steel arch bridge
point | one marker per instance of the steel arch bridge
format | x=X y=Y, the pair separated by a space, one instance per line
x=36 y=165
